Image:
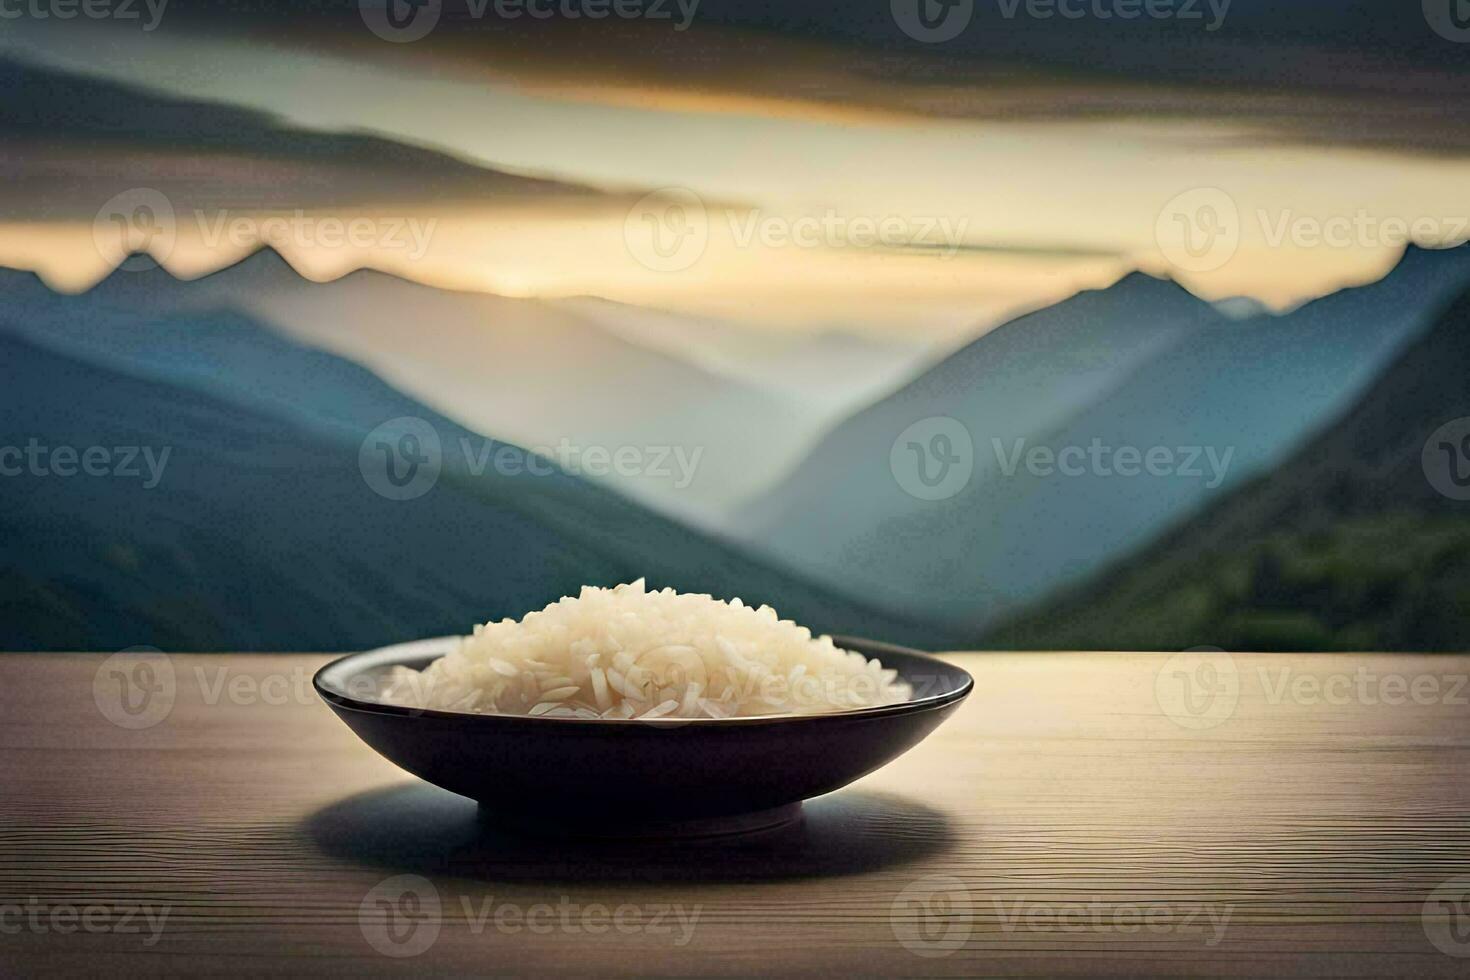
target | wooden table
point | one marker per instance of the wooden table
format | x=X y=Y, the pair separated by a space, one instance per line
x=1084 y=813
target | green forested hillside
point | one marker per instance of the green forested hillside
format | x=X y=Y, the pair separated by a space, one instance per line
x=1348 y=545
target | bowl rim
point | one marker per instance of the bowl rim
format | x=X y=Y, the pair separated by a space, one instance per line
x=417 y=649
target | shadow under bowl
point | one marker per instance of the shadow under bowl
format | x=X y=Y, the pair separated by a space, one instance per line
x=659 y=778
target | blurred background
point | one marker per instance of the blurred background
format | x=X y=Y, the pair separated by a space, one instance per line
x=1096 y=324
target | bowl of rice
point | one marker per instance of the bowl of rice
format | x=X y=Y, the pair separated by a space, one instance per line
x=634 y=712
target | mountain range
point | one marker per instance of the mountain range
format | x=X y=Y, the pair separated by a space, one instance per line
x=1359 y=541
x=534 y=372
x=262 y=529
x=1141 y=364
x=264 y=533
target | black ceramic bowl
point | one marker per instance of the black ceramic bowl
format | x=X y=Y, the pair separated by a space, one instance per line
x=639 y=778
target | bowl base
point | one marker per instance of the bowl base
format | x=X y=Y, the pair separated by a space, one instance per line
x=544 y=825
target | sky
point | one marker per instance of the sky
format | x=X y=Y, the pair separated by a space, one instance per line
x=987 y=211
x=765 y=190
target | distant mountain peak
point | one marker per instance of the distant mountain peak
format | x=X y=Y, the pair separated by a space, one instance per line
x=1138 y=279
x=140 y=263
x=1140 y=284
x=1349 y=513
x=266 y=262
x=138 y=274
x=1136 y=290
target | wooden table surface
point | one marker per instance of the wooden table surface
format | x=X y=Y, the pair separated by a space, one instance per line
x=1084 y=813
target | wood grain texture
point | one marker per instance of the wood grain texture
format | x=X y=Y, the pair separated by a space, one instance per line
x=1063 y=823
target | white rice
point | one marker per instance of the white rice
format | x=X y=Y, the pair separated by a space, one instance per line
x=627 y=653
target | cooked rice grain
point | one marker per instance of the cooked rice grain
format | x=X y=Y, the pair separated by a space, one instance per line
x=627 y=653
